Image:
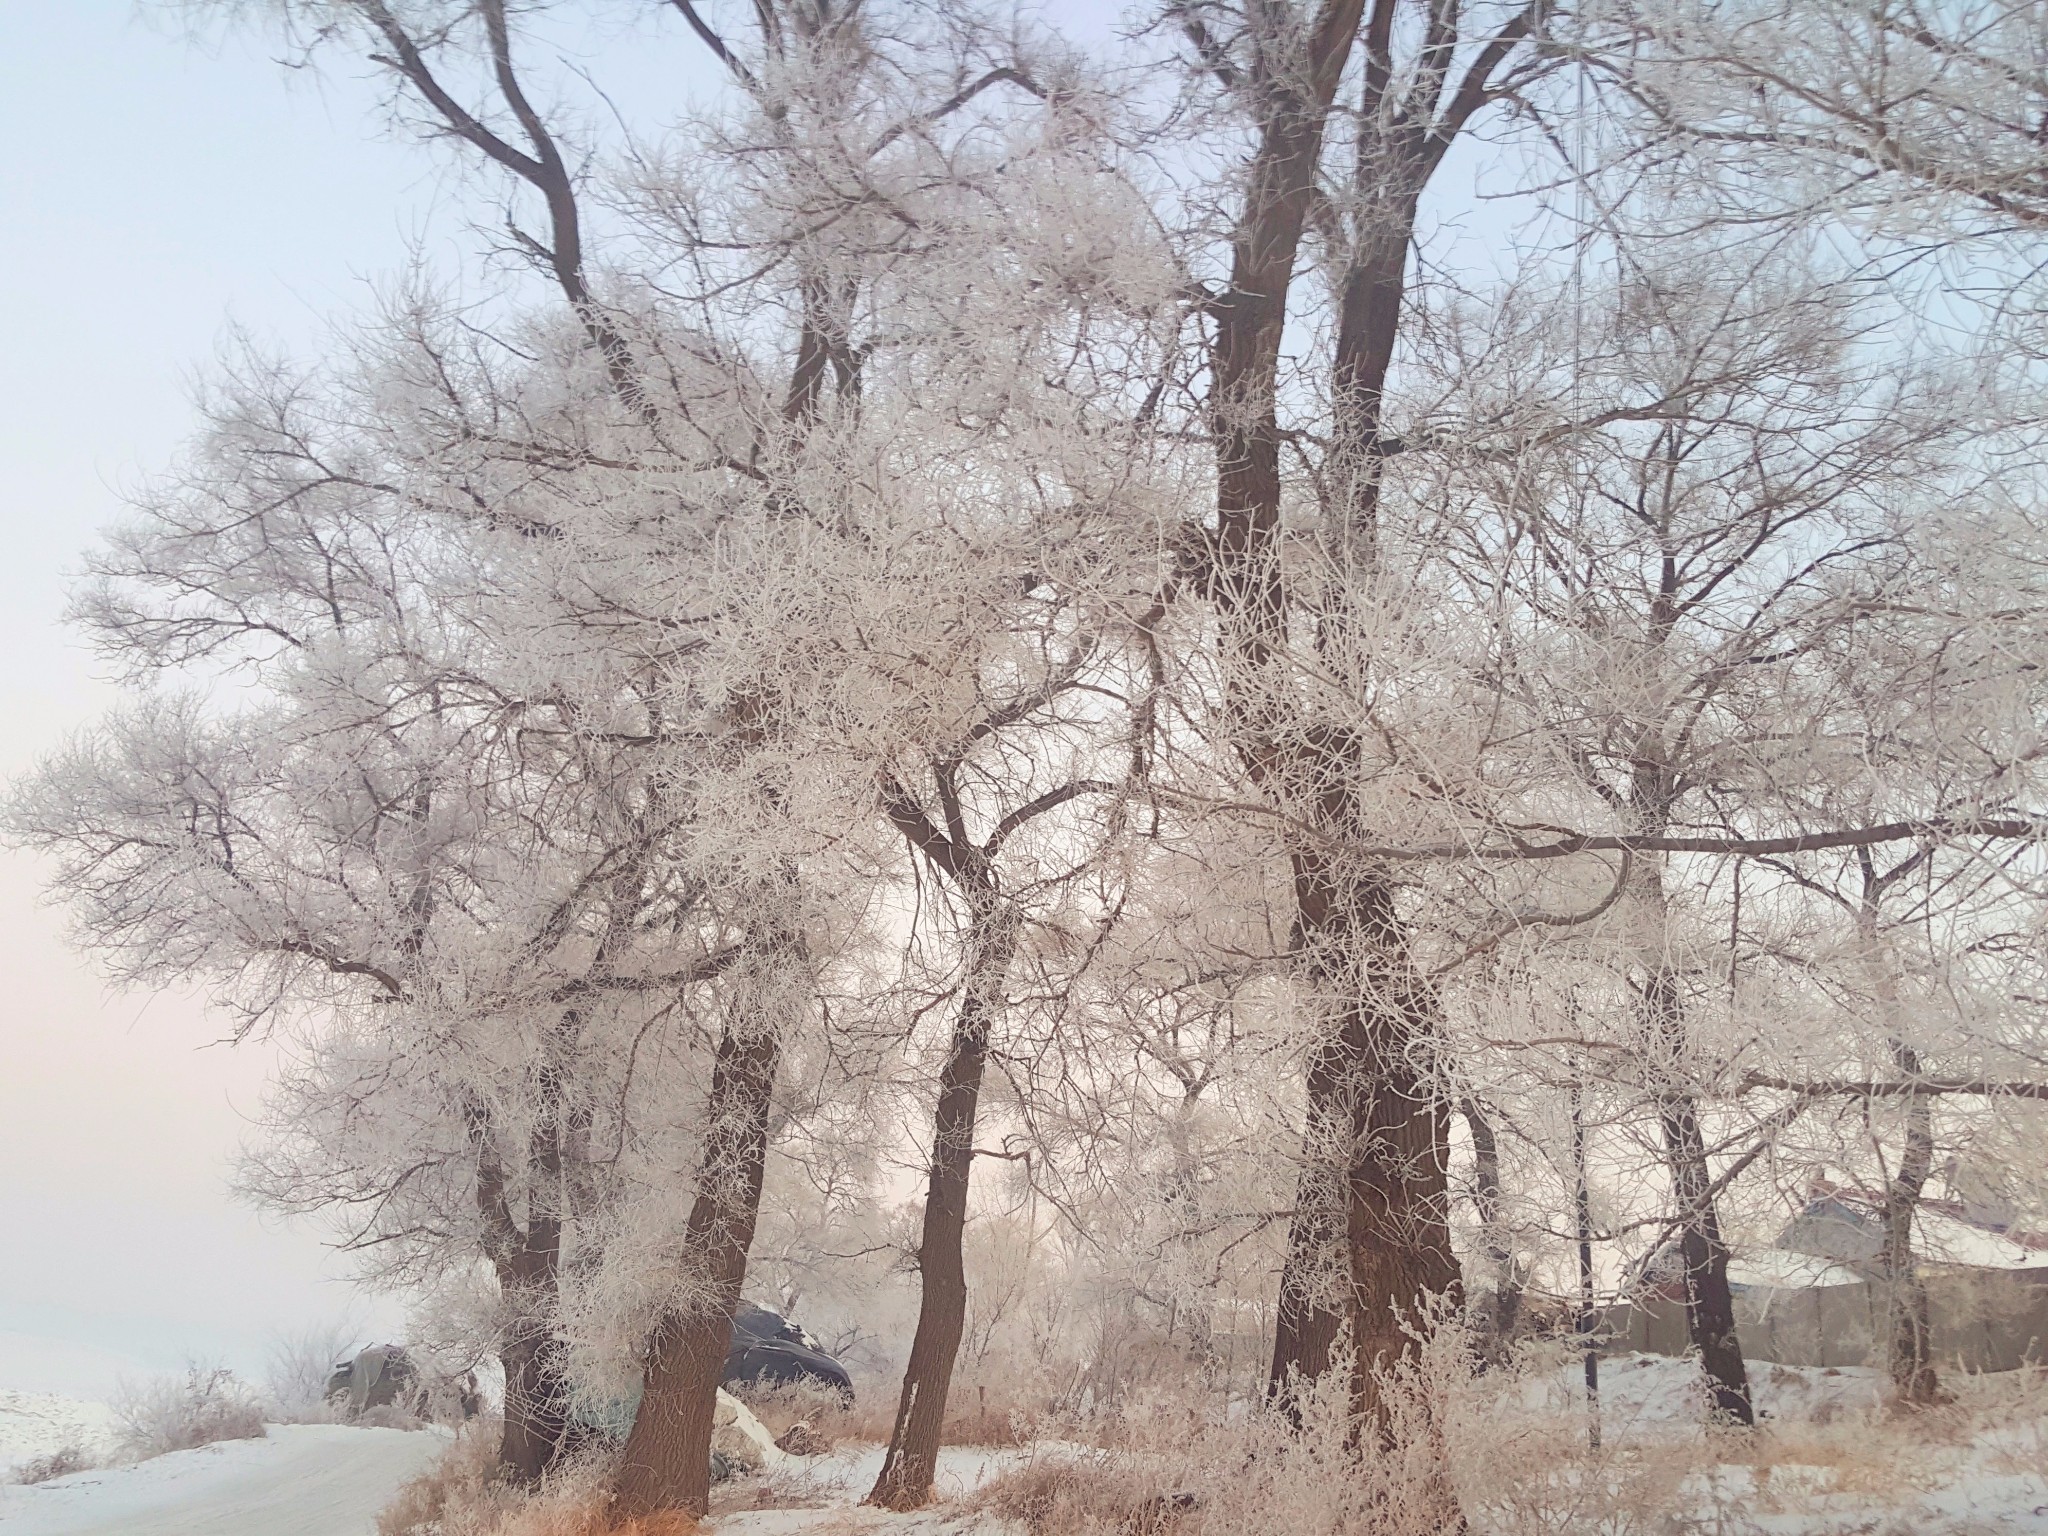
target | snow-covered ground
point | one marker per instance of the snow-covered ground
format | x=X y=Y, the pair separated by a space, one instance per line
x=824 y=1493
x=1638 y=1392
x=36 y=1424
x=300 y=1480
x=1833 y=1467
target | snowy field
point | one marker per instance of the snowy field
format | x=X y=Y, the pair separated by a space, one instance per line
x=36 y=1424
x=301 y=1480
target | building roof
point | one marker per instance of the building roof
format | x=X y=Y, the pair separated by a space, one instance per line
x=1843 y=1226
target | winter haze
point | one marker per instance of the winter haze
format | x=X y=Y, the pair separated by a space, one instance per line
x=1195 y=767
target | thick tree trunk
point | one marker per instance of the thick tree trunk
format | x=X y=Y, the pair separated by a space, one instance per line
x=1370 y=1236
x=1369 y=1244
x=912 y=1458
x=666 y=1464
x=536 y=1398
x=1373 y=1181
x=527 y=1262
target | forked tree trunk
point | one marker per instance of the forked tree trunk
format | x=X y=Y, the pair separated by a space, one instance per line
x=908 y=1466
x=527 y=1261
x=666 y=1464
x=1373 y=1189
x=1244 y=580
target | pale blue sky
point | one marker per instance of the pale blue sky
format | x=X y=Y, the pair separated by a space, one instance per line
x=153 y=188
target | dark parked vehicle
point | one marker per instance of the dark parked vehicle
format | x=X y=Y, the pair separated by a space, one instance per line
x=768 y=1350
x=384 y=1376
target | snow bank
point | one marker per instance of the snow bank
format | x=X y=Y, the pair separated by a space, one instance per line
x=736 y=1433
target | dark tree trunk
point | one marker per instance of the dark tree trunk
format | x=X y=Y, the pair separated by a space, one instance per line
x=666 y=1464
x=1709 y=1303
x=527 y=1262
x=1369 y=1244
x=1910 y=1355
x=536 y=1398
x=1370 y=1235
x=912 y=1458
x=1504 y=1304
x=1316 y=1283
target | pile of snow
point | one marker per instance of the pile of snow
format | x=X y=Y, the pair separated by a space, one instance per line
x=740 y=1437
x=302 y=1480
x=36 y=1424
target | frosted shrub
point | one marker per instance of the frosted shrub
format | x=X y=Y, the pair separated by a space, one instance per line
x=300 y=1366
x=462 y=1495
x=205 y=1405
x=1177 y=1467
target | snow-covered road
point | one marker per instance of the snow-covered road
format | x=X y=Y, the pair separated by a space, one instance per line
x=302 y=1480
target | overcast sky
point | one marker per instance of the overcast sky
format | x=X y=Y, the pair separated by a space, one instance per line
x=156 y=188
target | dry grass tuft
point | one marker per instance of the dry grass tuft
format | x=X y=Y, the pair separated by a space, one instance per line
x=461 y=1496
x=62 y=1462
x=1079 y=1495
x=1510 y=1449
x=976 y=1414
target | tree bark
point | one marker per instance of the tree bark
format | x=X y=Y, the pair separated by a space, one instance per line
x=1504 y=1305
x=1244 y=580
x=536 y=1398
x=908 y=1466
x=1373 y=1185
x=1910 y=1355
x=666 y=1464
x=527 y=1262
x=1370 y=1239
x=1709 y=1303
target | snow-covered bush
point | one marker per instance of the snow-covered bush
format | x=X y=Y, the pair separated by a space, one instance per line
x=176 y=1413
x=300 y=1366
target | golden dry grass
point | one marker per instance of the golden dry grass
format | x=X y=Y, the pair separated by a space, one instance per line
x=975 y=1414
